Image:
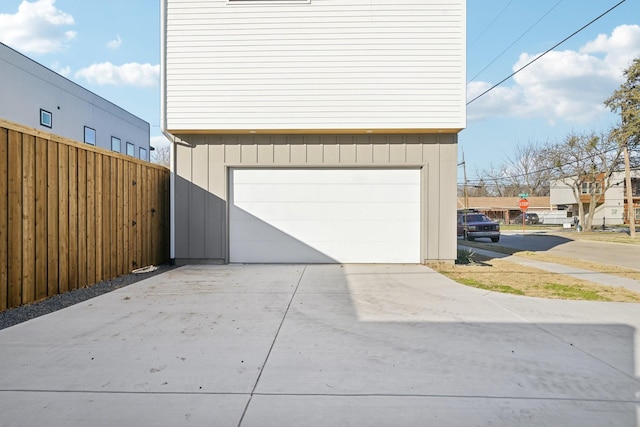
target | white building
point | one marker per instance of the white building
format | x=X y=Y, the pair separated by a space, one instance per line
x=314 y=130
x=37 y=97
x=612 y=210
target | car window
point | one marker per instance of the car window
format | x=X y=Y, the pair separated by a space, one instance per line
x=477 y=218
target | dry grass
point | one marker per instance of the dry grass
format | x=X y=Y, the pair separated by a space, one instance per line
x=508 y=277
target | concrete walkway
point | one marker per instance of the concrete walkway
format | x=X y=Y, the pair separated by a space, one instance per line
x=321 y=345
x=578 y=273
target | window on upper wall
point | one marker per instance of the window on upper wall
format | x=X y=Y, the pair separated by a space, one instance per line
x=115 y=144
x=143 y=154
x=89 y=135
x=131 y=149
x=46 y=118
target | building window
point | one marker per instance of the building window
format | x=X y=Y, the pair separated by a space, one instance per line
x=46 y=119
x=586 y=188
x=131 y=149
x=115 y=144
x=635 y=186
x=143 y=154
x=89 y=135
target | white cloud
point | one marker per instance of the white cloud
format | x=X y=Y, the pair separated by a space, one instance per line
x=37 y=27
x=131 y=74
x=159 y=141
x=115 y=44
x=64 y=71
x=563 y=85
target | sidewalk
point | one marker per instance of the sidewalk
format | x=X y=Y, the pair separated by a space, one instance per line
x=579 y=273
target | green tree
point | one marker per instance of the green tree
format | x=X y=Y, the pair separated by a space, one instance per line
x=626 y=101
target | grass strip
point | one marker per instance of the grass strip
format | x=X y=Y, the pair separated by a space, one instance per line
x=503 y=276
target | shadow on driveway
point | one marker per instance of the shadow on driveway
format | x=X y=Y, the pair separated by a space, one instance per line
x=291 y=345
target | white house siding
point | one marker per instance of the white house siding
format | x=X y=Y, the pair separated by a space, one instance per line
x=27 y=87
x=339 y=65
x=202 y=181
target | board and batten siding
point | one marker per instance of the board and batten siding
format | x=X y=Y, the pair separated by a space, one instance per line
x=202 y=181
x=337 y=65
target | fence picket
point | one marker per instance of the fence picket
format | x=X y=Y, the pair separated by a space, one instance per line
x=4 y=237
x=41 y=218
x=14 y=210
x=28 y=219
x=67 y=214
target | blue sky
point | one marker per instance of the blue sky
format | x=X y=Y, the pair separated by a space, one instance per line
x=112 y=48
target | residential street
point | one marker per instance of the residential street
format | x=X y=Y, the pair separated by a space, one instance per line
x=619 y=254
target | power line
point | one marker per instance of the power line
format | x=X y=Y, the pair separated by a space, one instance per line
x=550 y=168
x=517 y=40
x=491 y=23
x=543 y=54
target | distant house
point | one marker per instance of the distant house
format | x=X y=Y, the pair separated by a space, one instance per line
x=314 y=131
x=612 y=206
x=37 y=97
x=505 y=209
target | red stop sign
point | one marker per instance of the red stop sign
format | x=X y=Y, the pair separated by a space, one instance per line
x=523 y=204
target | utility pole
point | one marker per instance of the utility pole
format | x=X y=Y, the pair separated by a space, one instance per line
x=466 y=194
x=631 y=212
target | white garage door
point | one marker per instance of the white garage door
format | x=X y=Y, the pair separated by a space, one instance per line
x=324 y=215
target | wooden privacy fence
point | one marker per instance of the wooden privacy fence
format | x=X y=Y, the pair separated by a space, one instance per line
x=72 y=215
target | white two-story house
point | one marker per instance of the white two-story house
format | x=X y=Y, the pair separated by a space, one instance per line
x=313 y=131
x=612 y=207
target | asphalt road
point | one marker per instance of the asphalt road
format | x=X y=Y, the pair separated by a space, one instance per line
x=602 y=252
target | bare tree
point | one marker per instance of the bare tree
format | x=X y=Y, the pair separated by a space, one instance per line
x=585 y=164
x=528 y=170
x=162 y=155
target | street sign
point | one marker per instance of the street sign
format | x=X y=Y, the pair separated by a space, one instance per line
x=523 y=195
x=523 y=204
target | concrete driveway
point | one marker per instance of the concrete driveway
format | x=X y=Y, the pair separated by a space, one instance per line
x=321 y=345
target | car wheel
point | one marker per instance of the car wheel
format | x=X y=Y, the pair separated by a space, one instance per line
x=467 y=237
x=495 y=239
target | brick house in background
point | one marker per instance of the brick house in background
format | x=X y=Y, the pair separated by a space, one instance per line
x=313 y=131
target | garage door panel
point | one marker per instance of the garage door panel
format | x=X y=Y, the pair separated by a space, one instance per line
x=329 y=211
x=324 y=215
x=272 y=252
x=292 y=193
x=329 y=231
x=336 y=176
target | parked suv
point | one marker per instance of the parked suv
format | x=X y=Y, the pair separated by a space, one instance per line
x=476 y=225
x=530 y=218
